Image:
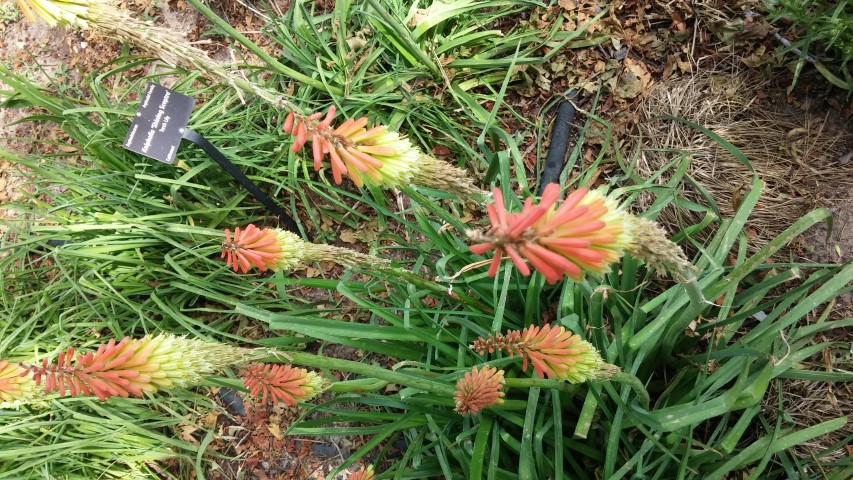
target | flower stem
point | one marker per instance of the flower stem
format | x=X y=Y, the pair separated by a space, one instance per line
x=694 y=308
x=409 y=380
x=233 y=33
x=359 y=385
x=536 y=382
x=697 y=298
x=439 y=289
x=633 y=382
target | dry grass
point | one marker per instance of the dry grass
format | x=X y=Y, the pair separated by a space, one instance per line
x=796 y=155
x=807 y=403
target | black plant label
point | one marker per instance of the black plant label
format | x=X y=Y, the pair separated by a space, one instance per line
x=159 y=124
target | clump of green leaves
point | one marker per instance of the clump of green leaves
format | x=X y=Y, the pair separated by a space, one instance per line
x=825 y=31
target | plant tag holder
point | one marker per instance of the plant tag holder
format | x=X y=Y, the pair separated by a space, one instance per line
x=159 y=126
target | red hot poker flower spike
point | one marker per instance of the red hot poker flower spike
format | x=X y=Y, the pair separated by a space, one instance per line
x=282 y=383
x=354 y=151
x=263 y=248
x=586 y=233
x=554 y=353
x=16 y=388
x=479 y=389
x=133 y=366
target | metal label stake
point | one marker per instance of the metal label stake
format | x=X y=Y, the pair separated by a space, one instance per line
x=161 y=123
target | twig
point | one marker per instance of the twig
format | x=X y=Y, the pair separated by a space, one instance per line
x=784 y=41
x=787 y=43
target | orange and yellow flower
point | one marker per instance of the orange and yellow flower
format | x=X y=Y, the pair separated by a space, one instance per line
x=376 y=154
x=263 y=248
x=282 y=383
x=279 y=250
x=586 y=233
x=554 y=353
x=16 y=388
x=479 y=389
x=134 y=366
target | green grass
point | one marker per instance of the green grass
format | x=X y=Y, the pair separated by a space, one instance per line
x=141 y=255
x=824 y=31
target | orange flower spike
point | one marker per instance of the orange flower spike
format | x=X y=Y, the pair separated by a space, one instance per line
x=516 y=258
x=318 y=146
x=339 y=167
x=530 y=214
x=27 y=11
x=256 y=247
x=499 y=342
x=567 y=212
x=303 y=132
x=386 y=158
x=479 y=389
x=365 y=158
x=376 y=150
x=560 y=354
x=132 y=367
x=544 y=262
x=352 y=159
x=498 y=213
x=586 y=232
x=330 y=115
x=282 y=383
x=366 y=134
x=496 y=262
x=554 y=353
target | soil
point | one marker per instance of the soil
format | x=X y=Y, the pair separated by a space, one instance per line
x=53 y=56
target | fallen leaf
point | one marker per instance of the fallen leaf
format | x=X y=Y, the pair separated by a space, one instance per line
x=275 y=431
x=755 y=30
x=441 y=151
x=209 y=419
x=756 y=58
x=726 y=31
x=347 y=236
x=558 y=65
x=368 y=232
x=628 y=85
x=392 y=388
x=633 y=80
x=186 y=433
x=639 y=69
